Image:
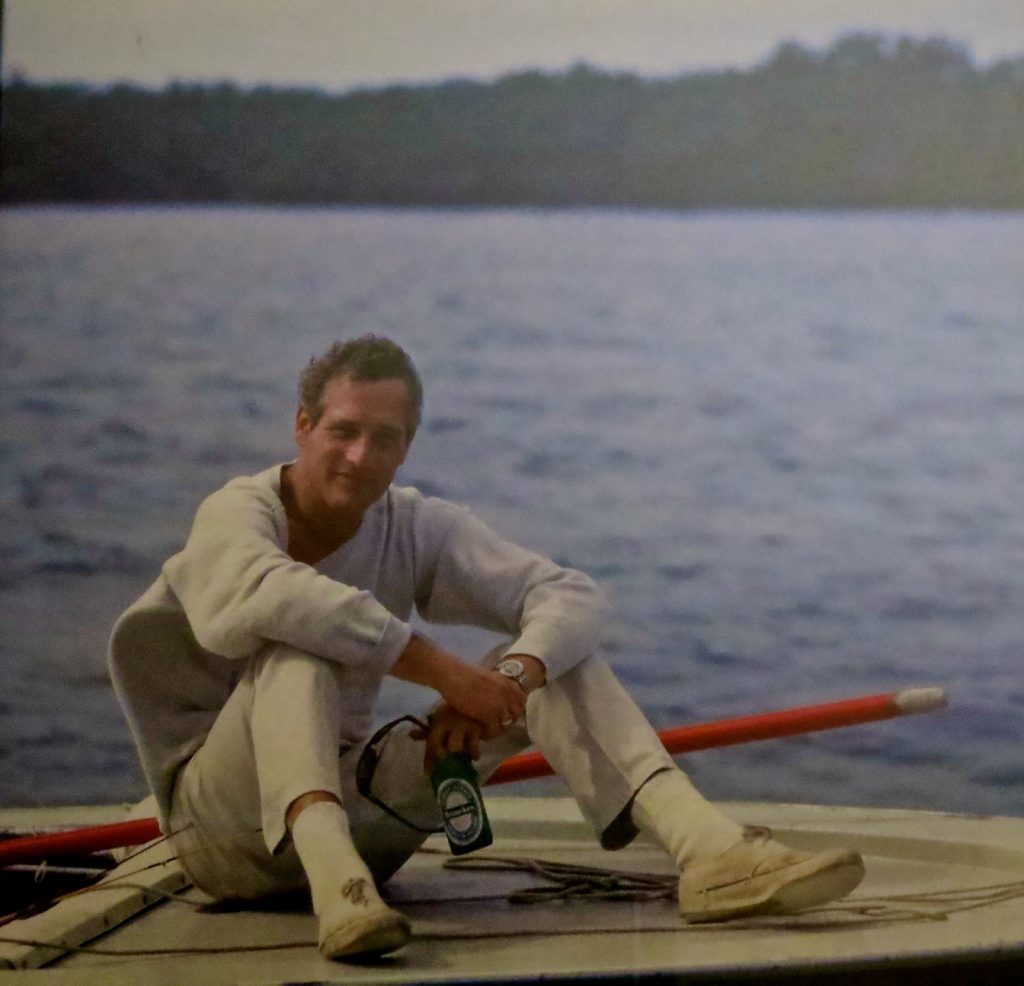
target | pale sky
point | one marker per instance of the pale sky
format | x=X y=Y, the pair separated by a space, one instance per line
x=343 y=44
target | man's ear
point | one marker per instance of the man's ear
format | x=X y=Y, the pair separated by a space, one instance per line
x=303 y=425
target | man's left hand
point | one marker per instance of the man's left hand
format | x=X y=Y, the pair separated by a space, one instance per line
x=450 y=732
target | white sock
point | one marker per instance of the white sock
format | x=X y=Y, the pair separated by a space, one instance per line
x=336 y=872
x=671 y=810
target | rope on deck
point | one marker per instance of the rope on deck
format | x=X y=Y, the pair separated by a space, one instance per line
x=576 y=882
x=571 y=881
x=590 y=883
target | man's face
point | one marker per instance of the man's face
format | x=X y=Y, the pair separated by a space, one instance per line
x=349 y=457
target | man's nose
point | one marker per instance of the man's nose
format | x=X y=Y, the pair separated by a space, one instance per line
x=359 y=450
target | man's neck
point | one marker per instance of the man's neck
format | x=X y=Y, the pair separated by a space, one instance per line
x=313 y=534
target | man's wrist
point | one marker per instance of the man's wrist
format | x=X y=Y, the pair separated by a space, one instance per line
x=525 y=670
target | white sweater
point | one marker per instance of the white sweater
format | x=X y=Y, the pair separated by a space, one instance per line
x=176 y=654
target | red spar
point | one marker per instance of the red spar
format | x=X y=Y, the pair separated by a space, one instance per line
x=764 y=725
x=683 y=739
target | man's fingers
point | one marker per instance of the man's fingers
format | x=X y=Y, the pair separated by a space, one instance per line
x=443 y=742
x=456 y=740
x=452 y=731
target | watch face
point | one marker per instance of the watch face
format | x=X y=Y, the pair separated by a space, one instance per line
x=511 y=668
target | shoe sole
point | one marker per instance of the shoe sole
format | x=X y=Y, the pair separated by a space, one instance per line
x=831 y=877
x=372 y=936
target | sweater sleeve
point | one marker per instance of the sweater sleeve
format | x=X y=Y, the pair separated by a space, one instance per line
x=554 y=613
x=240 y=589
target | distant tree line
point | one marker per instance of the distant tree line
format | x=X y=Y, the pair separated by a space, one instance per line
x=872 y=121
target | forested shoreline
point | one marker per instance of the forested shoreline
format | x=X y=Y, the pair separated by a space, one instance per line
x=871 y=122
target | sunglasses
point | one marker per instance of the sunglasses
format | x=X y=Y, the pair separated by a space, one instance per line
x=367 y=767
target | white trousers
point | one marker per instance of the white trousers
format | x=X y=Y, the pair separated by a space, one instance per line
x=283 y=733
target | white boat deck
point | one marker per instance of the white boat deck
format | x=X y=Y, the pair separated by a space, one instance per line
x=939 y=889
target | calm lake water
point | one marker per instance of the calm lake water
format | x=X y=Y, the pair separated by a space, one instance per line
x=789 y=446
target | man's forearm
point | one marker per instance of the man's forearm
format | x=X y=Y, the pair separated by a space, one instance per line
x=424 y=663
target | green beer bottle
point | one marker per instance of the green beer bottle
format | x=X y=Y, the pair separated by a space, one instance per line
x=462 y=806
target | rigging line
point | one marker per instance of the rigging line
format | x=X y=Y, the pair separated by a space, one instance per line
x=555 y=870
x=176 y=857
x=111 y=881
x=490 y=861
x=967 y=894
x=139 y=850
x=100 y=883
x=957 y=908
x=149 y=892
x=954 y=899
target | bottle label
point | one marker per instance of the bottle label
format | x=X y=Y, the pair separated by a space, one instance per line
x=463 y=819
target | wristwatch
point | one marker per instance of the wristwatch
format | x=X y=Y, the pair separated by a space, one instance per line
x=511 y=668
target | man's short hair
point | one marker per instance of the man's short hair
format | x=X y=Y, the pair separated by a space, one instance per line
x=367 y=358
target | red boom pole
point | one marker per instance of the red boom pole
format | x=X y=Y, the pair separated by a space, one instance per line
x=684 y=739
x=765 y=725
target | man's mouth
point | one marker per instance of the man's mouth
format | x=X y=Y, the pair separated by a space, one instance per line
x=349 y=480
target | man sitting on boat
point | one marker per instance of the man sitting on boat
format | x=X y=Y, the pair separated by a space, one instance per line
x=249 y=671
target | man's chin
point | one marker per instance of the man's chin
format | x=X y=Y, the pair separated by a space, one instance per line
x=353 y=498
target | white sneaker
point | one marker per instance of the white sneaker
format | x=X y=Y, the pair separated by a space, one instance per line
x=758 y=875
x=367 y=929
